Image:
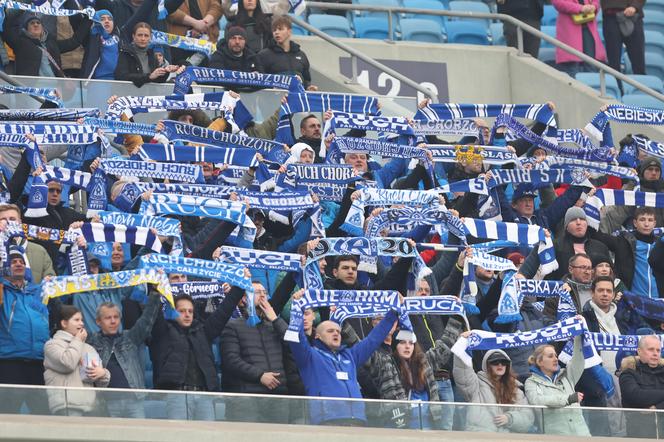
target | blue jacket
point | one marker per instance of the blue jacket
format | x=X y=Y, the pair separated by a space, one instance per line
x=390 y=172
x=23 y=322
x=318 y=367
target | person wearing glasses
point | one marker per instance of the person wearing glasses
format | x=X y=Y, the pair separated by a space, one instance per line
x=495 y=384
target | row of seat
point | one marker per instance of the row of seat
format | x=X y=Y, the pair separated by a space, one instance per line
x=631 y=96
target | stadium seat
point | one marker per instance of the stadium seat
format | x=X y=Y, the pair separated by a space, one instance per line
x=654 y=64
x=551 y=32
x=647 y=80
x=298 y=30
x=653 y=5
x=466 y=33
x=498 y=39
x=548 y=56
x=335 y=25
x=654 y=21
x=425 y=4
x=371 y=27
x=654 y=42
x=383 y=15
x=592 y=80
x=417 y=29
x=469 y=6
x=550 y=16
x=643 y=101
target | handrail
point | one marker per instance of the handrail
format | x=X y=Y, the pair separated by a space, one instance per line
x=355 y=54
x=8 y=78
x=521 y=26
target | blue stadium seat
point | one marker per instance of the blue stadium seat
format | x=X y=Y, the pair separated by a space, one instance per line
x=371 y=27
x=497 y=34
x=550 y=16
x=654 y=42
x=383 y=15
x=643 y=101
x=425 y=4
x=647 y=80
x=417 y=29
x=654 y=64
x=469 y=6
x=335 y=25
x=653 y=5
x=592 y=80
x=654 y=21
x=298 y=30
x=466 y=33
x=548 y=56
x=551 y=32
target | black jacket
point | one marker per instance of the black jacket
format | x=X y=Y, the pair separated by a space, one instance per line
x=171 y=345
x=273 y=60
x=129 y=67
x=223 y=58
x=522 y=9
x=248 y=352
x=641 y=387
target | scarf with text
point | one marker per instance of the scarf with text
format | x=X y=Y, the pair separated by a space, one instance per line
x=538 y=178
x=595 y=168
x=183 y=81
x=121 y=127
x=449 y=111
x=72 y=114
x=328 y=181
x=623 y=114
x=47 y=132
x=492 y=155
x=575 y=136
x=261 y=259
x=486 y=261
x=44 y=8
x=173 y=171
x=648 y=308
x=236 y=156
x=181 y=42
x=651 y=148
x=446 y=128
x=514 y=291
x=412 y=305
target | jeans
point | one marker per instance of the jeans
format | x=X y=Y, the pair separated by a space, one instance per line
x=131 y=408
x=446 y=394
x=190 y=406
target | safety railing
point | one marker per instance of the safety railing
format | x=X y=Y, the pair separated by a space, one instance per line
x=520 y=26
x=302 y=410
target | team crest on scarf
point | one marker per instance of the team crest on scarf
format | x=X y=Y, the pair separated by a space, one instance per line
x=468 y=154
x=578 y=176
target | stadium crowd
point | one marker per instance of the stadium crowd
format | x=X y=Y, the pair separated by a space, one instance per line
x=202 y=232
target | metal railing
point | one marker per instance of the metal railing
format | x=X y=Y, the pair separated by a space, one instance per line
x=520 y=26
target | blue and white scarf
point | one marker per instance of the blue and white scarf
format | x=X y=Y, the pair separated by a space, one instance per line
x=328 y=181
x=99 y=232
x=473 y=185
x=611 y=197
x=623 y=114
x=233 y=211
x=236 y=156
x=515 y=290
x=320 y=102
x=518 y=233
x=183 y=81
x=575 y=136
x=406 y=218
x=49 y=94
x=340 y=298
x=203 y=291
x=173 y=171
x=163 y=226
x=45 y=9
x=412 y=305
x=486 y=261
x=450 y=111
x=48 y=132
x=261 y=259
x=121 y=127
x=37 y=200
x=72 y=114
x=538 y=178
x=648 y=308
x=649 y=147
x=492 y=155
x=561 y=331
x=343 y=145
x=596 y=168
x=354 y=223
x=205 y=190
x=446 y=128
x=181 y=42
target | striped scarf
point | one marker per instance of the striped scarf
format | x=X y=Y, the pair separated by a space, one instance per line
x=450 y=111
x=173 y=171
x=611 y=197
x=72 y=114
x=99 y=232
x=200 y=75
x=49 y=94
x=236 y=156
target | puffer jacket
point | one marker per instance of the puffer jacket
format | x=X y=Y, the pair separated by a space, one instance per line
x=23 y=322
x=274 y=60
x=172 y=343
x=561 y=417
x=248 y=352
x=478 y=389
x=642 y=387
x=62 y=364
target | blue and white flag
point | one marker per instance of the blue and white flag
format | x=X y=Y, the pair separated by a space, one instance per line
x=191 y=74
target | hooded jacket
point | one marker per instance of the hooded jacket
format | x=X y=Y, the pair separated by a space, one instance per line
x=62 y=364
x=642 y=386
x=274 y=60
x=23 y=322
x=223 y=58
x=477 y=388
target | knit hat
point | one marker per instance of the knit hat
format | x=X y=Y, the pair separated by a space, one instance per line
x=27 y=18
x=101 y=12
x=574 y=213
x=524 y=191
x=600 y=258
x=648 y=162
x=15 y=252
x=234 y=31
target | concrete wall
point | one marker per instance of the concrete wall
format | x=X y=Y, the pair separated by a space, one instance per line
x=476 y=74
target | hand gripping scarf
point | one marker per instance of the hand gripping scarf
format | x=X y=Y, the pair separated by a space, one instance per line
x=200 y=75
x=515 y=290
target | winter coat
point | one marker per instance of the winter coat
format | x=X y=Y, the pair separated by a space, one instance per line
x=320 y=367
x=28 y=50
x=171 y=345
x=572 y=34
x=23 y=322
x=63 y=357
x=211 y=7
x=223 y=58
x=129 y=67
x=41 y=264
x=249 y=352
x=642 y=387
x=125 y=346
x=478 y=389
x=547 y=217
x=274 y=60
x=560 y=417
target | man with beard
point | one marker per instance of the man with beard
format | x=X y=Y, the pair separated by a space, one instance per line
x=232 y=53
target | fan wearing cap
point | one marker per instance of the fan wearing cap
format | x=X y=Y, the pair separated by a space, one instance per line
x=23 y=333
x=494 y=384
x=37 y=52
x=575 y=239
x=632 y=250
x=232 y=52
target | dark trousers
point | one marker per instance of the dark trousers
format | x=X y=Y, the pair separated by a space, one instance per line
x=22 y=372
x=531 y=44
x=635 y=44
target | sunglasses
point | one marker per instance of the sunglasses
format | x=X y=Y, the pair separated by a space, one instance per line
x=505 y=363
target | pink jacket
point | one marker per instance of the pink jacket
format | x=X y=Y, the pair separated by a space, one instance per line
x=571 y=34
